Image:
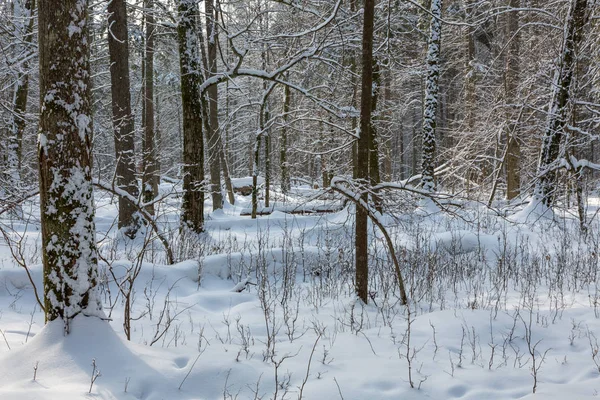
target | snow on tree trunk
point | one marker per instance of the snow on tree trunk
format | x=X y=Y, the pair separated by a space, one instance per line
x=123 y=122
x=193 y=143
x=23 y=32
x=552 y=142
x=150 y=173
x=67 y=211
x=283 y=143
x=431 y=97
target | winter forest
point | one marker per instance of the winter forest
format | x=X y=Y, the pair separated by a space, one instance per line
x=299 y=199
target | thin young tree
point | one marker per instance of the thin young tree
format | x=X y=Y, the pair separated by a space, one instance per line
x=64 y=147
x=123 y=121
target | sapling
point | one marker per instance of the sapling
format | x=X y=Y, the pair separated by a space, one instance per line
x=35 y=369
x=537 y=358
x=95 y=374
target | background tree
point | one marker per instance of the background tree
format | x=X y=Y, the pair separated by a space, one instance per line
x=150 y=168
x=554 y=135
x=123 y=120
x=362 y=162
x=431 y=97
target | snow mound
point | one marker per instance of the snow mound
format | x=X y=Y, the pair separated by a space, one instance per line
x=65 y=366
x=533 y=212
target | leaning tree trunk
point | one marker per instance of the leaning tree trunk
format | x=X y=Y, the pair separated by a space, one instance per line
x=362 y=156
x=64 y=147
x=557 y=112
x=23 y=16
x=513 y=151
x=150 y=173
x=193 y=142
x=123 y=121
x=431 y=97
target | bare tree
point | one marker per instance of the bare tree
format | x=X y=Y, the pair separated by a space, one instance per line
x=150 y=172
x=213 y=134
x=23 y=32
x=431 y=97
x=193 y=143
x=123 y=123
x=552 y=142
x=362 y=161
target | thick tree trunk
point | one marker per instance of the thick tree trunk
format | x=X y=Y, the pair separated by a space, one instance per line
x=431 y=98
x=362 y=159
x=513 y=153
x=150 y=173
x=64 y=147
x=193 y=142
x=557 y=112
x=123 y=121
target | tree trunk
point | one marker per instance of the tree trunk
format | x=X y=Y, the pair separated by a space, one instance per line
x=64 y=148
x=267 y=164
x=513 y=154
x=23 y=15
x=193 y=142
x=431 y=98
x=362 y=159
x=554 y=136
x=283 y=143
x=212 y=134
x=150 y=174
x=470 y=78
x=374 y=173
x=123 y=121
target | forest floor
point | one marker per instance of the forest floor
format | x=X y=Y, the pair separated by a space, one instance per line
x=500 y=307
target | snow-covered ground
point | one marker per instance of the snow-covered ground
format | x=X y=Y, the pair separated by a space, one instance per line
x=264 y=309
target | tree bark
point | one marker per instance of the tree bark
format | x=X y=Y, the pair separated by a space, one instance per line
x=431 y=98
x=374 y=171
x=513 y=154
x=362 y=159
x=150 y=173
x=283 y=143
x=64 y=148
x=193 y=142
x=212 y=134
x=23 y=15
x=554 y=136
x=123 y=121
